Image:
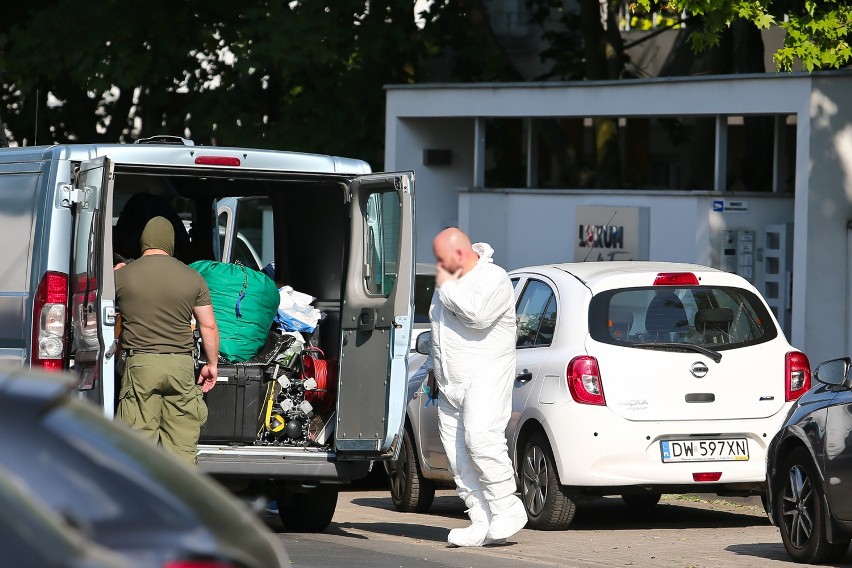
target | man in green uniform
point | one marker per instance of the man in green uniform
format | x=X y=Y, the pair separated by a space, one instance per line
x=157 y=297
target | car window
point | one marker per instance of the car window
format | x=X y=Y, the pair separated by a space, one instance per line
x=243 y=253
x=253 y=230
x=715 y=317
x=536 y=315
x=424 y=287
x=382 y=233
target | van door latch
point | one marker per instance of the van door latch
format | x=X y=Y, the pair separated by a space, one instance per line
x=109 y=315
x=367 y=319
x=111 y=349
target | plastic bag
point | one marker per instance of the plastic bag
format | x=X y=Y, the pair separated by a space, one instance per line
x=295 y=312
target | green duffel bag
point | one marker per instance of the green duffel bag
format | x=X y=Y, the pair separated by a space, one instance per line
x=245 y=303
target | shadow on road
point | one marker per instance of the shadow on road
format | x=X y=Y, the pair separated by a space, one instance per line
x=418 y=532
x=613 y=514
x=770 y=551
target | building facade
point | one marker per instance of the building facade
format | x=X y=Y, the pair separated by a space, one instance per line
x=747 y=173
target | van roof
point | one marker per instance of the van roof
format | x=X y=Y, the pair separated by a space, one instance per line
x=172 y=155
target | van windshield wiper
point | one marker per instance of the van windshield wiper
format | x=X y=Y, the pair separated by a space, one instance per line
x=715 y=355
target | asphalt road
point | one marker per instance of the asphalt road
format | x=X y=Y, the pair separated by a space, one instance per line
x=682 y=532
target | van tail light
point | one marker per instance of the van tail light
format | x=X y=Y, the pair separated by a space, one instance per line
x=49 y=322
x=797 y=375
x=217 y=161
x=584 y=381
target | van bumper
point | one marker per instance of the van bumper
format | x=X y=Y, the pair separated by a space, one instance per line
x=290 y=464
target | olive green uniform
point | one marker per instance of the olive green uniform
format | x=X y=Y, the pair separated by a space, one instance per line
x=156 y=297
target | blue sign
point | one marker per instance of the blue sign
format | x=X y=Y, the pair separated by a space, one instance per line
x=718 y=205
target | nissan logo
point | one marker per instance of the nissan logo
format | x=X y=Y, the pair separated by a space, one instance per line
x=698 y=370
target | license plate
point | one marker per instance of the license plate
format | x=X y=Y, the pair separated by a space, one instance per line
x=731 y=449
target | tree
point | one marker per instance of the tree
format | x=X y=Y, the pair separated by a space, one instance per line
x=307 y=75
x=818 y=31
x=303 y=76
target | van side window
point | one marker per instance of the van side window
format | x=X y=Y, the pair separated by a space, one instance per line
x=16 y=230
x=382 y=242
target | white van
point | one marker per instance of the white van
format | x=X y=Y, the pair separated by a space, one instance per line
x=334 y=230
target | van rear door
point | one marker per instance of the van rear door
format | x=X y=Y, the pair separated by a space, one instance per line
x=92 y=284
x=376 y=316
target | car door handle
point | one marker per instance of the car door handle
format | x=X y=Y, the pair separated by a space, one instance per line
x=524 y=377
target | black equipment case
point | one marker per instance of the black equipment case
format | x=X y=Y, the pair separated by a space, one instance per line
x=234 y=407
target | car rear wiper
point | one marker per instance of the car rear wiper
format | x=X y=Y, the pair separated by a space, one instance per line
x=715 y=355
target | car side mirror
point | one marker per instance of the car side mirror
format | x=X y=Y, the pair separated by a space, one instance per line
x=833 y=372
x=424 y=343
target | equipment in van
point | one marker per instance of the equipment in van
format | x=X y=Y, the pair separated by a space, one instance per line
x=295 y=312
x=284 y=395
x=299 y=400
x=245 y=302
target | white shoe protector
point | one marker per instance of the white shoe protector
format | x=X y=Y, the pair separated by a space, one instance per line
x=509 y=517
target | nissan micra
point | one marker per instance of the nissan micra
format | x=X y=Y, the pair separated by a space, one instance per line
x=633 y=379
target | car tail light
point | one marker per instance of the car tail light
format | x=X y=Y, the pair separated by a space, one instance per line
x=797 y=375
x=584 y=381
x=676 y=279
x=49 y=333
x=217 y=161
x=707 y=476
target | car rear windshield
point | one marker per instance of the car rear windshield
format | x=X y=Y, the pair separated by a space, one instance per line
x=715 y=317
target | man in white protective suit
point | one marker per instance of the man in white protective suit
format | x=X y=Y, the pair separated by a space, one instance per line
x=473 y=348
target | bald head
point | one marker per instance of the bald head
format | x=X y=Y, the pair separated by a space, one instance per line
x=453 y=251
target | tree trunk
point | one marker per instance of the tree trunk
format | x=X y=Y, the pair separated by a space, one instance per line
x=604 y=54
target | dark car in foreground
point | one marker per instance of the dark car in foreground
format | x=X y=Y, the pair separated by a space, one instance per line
x=32 y=535
x=809 y=469
x=121 y=491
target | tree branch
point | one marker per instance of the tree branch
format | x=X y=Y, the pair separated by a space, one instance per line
x=657 y=32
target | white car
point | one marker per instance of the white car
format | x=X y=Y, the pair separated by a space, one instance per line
x=633 y=379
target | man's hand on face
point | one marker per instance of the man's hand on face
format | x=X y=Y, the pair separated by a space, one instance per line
x=442 y=275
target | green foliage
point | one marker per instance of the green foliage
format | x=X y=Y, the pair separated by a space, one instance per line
x=819 y=38
x=818 y=31
x=303 y=75
x=307 y=75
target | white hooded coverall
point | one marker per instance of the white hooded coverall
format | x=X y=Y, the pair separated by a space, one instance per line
x=473 y=345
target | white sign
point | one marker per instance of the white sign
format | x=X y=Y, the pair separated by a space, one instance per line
x=611 y=233
x=728 y=205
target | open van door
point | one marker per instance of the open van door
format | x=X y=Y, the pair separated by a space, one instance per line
x=376 y=316
x=92 y=284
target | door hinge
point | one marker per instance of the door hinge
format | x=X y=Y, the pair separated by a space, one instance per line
x=72 y=195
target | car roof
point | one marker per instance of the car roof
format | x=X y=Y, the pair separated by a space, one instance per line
x=635 y=273
x=424 y=268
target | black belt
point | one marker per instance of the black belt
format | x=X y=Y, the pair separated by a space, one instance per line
x=131 y=353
